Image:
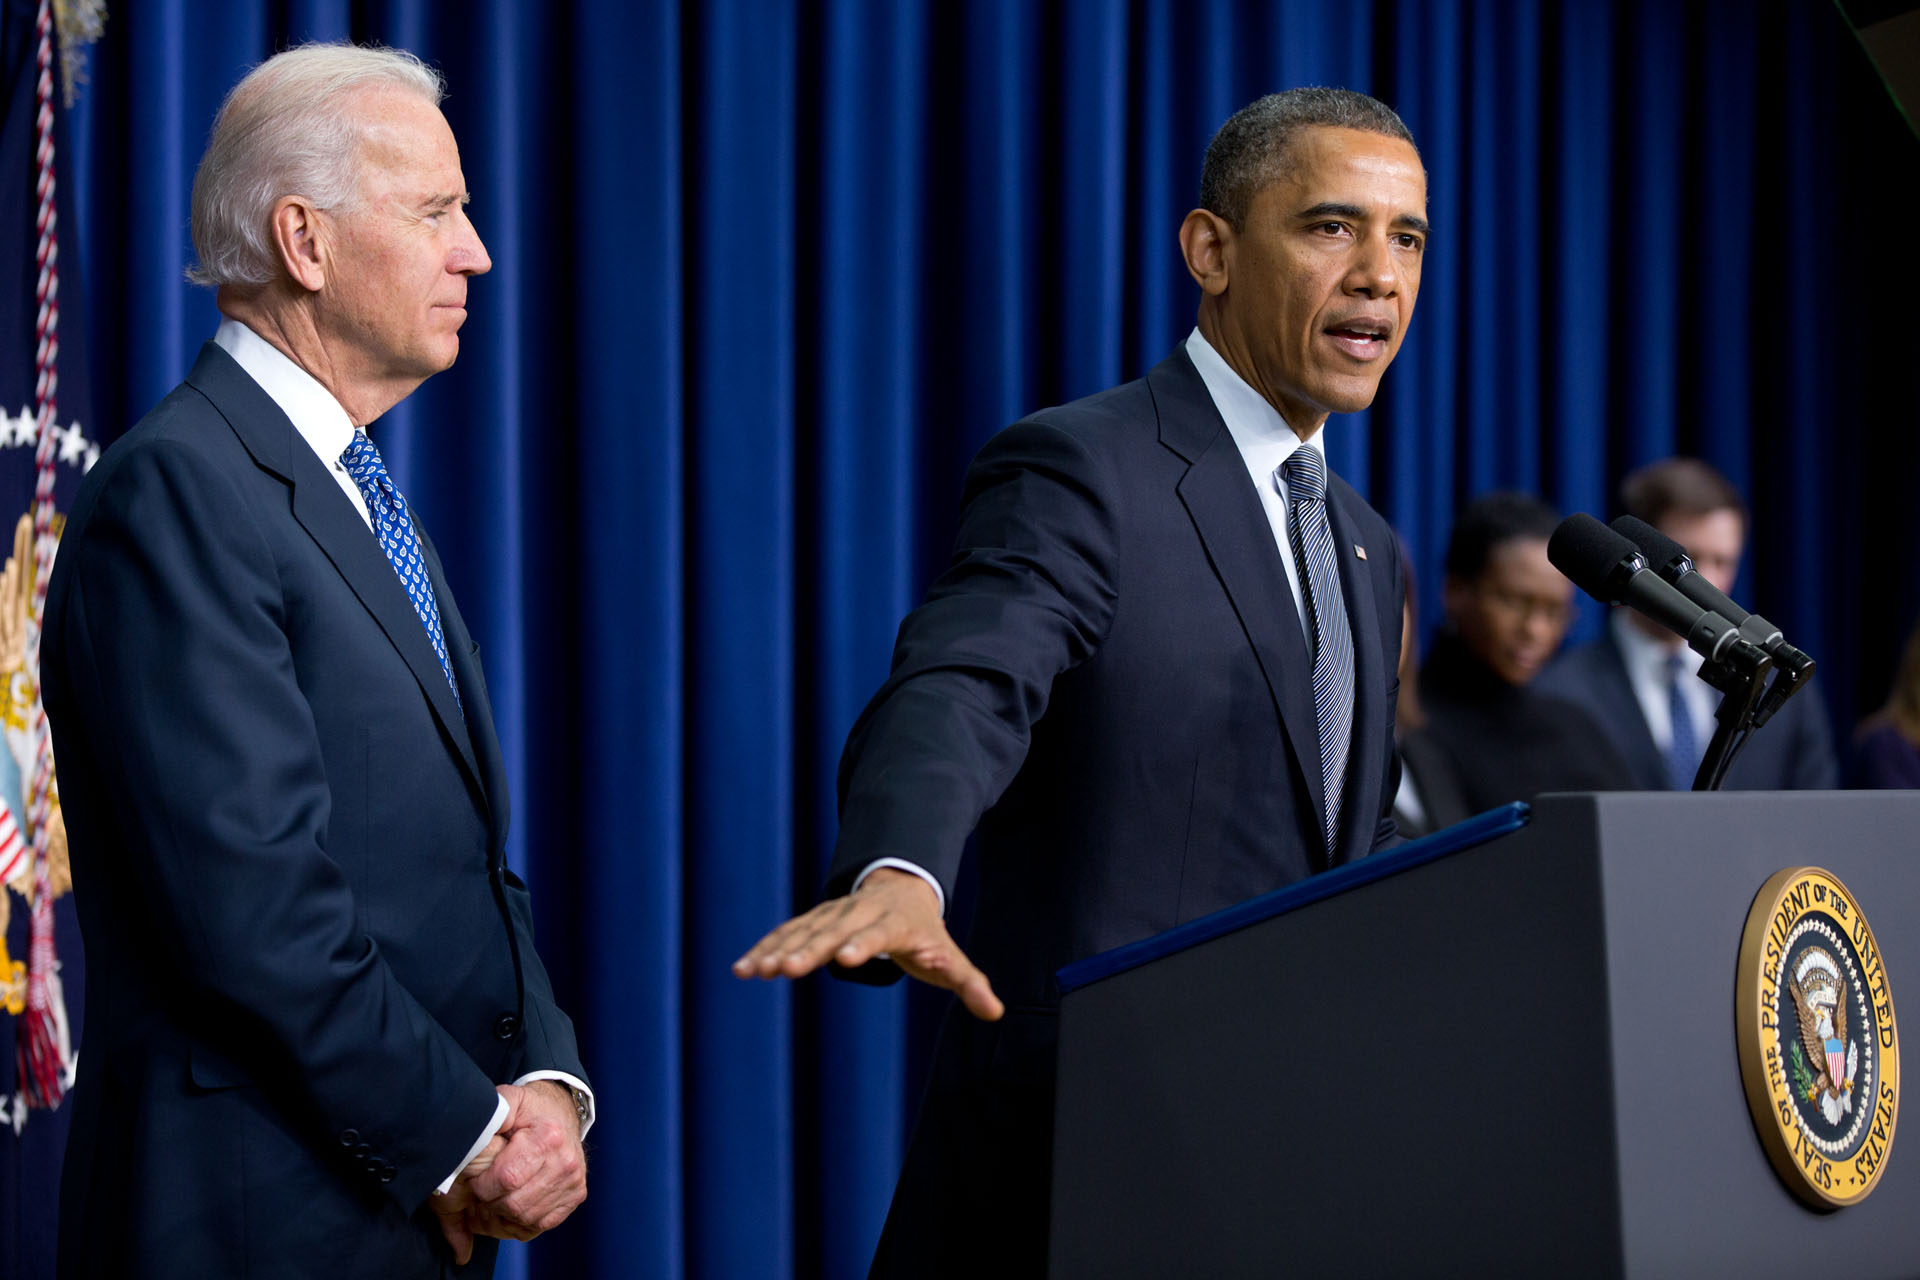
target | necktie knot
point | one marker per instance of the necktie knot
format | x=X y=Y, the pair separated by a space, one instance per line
x=362 y=460
x=1306 y=475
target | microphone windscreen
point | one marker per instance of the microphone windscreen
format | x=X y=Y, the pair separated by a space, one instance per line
x=1591 y=555
x=1657 y=547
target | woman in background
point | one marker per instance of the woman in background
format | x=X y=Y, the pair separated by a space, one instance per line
x=1886 y=747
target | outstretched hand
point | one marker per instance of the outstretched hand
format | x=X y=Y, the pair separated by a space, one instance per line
x=895 y=914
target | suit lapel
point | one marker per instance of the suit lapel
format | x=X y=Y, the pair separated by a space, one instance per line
x=473 y=694
x=1369 y=746
x=1227 y=514
x=330 y=520
x=1620 y=704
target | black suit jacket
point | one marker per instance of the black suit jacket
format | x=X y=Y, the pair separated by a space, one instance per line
x=1792 y=752
x=307 y=963
x=1110 y=682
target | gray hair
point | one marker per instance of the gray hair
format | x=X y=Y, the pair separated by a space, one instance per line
x=1250 y=152
x=281 y=132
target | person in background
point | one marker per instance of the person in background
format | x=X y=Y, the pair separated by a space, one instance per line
x=1429 y=797
x=1641 y=682
x=1507 y=610
x=1886 y=747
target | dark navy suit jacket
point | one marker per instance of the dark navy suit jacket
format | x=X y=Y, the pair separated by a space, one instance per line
x=307 y=963
x=1791 y=752
x=1110 y=682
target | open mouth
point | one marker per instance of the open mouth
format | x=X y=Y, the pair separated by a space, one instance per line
x=1361 y=339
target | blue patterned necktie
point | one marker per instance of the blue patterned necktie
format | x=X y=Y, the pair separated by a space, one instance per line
x=1683 y=752
x=1327 y=632
x=394 y=527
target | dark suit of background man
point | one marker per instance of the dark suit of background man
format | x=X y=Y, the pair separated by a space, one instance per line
x=1114 y=680
x=1641 y=682
x=310 y=975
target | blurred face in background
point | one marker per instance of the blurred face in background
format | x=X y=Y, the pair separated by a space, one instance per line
x=1514 y=615
x=1713 y=540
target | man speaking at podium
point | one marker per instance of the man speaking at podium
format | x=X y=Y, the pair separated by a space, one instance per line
x=320 y=1042
x=1158 y=676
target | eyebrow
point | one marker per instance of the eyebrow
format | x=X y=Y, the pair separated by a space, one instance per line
x=1334 y=209
x=444 y=200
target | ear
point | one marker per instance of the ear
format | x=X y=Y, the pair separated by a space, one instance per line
x=300 y=239
x=1205 y=239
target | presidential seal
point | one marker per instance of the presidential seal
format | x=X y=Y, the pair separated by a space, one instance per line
x=1819 y=1051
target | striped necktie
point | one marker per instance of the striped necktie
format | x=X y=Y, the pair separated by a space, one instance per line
x=393 y=525
x=1328 y=634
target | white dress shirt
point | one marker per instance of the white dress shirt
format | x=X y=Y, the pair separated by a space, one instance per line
x=316 y=415
x=1649 y=667
x=1265 y=442
x=324 y=425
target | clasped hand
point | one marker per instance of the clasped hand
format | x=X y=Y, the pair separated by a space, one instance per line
x=528 y=1177
x=894 y=914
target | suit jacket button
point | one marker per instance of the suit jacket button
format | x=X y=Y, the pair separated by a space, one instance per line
x=388 y=1173
x=349 y=1136
x=506 y=1027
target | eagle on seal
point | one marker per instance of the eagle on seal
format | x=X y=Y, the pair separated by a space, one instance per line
x=1823 y=1034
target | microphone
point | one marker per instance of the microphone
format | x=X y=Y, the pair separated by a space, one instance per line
x=1670 y=560
x=1613 y=571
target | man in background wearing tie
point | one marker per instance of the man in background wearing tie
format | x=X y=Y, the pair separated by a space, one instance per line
x=320 y=1041
x=1642 y=682
x=1158 y=677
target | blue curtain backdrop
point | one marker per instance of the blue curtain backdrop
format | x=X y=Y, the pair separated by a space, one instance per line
x=768 y=271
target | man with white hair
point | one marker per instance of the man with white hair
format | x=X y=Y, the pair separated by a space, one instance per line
x=320 y=1041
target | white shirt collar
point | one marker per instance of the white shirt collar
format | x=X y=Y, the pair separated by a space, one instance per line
x=1648 y=658
x=315 y=414
x=1262 y=435
x=1264 y=440
x=1650 y=667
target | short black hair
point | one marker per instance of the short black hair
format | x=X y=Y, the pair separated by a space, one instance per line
x=1250 y=151
x=1491 y=521
x=1685 y=487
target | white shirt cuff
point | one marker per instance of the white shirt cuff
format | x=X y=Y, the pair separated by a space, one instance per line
x=500 y=1110
x=574 y=1083
x=486 y=1136
x=899 y=864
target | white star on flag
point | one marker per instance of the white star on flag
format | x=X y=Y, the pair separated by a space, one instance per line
x=18 y=430
x=73 y=443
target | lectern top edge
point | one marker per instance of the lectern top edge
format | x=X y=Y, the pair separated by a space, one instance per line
x=1475 y=831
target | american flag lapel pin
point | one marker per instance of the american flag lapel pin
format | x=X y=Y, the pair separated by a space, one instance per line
x=1360 y=551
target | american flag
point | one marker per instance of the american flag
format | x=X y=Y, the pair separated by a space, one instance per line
x=47 y=440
